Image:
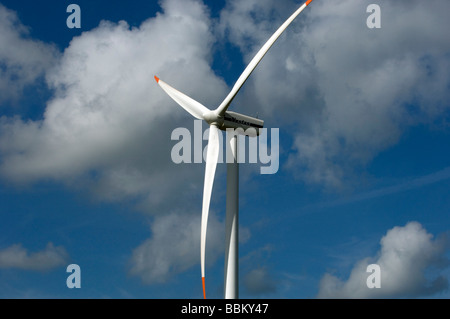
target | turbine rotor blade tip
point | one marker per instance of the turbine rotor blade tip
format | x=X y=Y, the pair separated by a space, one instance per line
x=157 y=79
x=204 y=291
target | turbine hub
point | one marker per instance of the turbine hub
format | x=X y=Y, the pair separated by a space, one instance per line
x=213 y=119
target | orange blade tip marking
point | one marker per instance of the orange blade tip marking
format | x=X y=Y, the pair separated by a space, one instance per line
x=157 y=79
x=308 y=2
x=203 y=283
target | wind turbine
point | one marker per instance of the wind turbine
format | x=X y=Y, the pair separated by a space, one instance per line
x=221 y=119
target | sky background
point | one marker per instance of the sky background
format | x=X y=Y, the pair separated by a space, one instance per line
x=86 y=175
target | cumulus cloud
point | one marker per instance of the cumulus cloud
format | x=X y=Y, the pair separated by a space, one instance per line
x=352 y=90
x=22 y=59
x=174 y=247
x=410 y=261
x=259 y=281
x=108 y=125
x=17 y=257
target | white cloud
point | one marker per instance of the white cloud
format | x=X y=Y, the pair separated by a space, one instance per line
x=259 y=281
x=17 y=257
x=410 y=263
x=107 y=127
x=347 y=91
x=175 y=247
x=22 y=60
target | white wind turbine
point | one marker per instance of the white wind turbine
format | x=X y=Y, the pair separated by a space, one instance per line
x=221 y=119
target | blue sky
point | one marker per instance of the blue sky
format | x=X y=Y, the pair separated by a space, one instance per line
x=86 y=175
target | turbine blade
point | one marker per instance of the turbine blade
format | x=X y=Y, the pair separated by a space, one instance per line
x=195 y=108
x=255 y=61
x=210 y=170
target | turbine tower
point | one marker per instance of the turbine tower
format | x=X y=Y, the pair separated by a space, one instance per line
x=222 y=119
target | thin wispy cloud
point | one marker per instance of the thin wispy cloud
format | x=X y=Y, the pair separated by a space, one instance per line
x=413 y=183
x=18 y=257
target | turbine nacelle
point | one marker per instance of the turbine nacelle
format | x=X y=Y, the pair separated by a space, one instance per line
x=242 y=124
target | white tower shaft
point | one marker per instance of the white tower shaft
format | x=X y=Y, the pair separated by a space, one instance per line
x=232 y=225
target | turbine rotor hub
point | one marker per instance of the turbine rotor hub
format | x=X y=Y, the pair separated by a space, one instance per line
x=213 y=119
